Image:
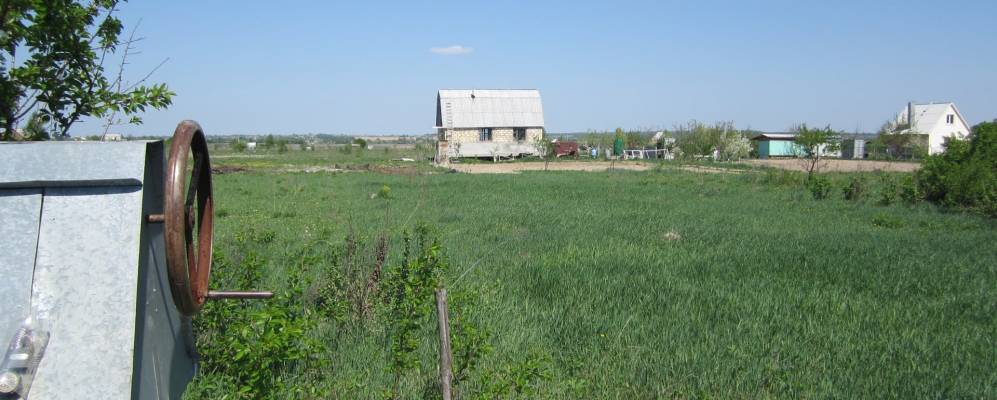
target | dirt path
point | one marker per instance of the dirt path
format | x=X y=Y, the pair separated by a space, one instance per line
x=509 y=168
x=839 y=165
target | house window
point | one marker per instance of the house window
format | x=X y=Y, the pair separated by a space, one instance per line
x=485 y=135
x=950 y=119
x=519 y=134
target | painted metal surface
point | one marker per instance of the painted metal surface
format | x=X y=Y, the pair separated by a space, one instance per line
x=776 y=148
x=853 y=149
x=165 y=354
x=97 y=280
x=489 y=108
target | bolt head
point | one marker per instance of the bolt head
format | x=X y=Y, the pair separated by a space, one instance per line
x=9 y=382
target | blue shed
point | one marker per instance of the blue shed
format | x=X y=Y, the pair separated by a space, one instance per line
x=776 y=145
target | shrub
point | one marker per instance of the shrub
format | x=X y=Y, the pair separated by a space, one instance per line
x=965 y=175
x=855 y=189
x=409 y=294
x=819 y=186
x=887 y=190
x=238 y=146
x=886 y=221
x=697 y=139
x=781 y=177
x=909 y=191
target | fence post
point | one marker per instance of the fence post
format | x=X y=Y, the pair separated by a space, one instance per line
x=446 y=374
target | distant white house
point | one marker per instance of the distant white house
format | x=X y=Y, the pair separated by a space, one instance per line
x=251 y=146
x=488 y=123
x=112 y=137
x=939 y=121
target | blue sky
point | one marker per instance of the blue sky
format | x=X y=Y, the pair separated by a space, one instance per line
x=369 y=67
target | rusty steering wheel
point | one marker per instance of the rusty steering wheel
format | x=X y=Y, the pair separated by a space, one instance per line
x=188 y=258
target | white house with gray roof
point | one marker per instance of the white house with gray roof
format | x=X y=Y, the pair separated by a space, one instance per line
x=939 y=121
x=488 y=123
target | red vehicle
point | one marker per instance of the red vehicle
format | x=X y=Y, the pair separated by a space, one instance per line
x=566 y=148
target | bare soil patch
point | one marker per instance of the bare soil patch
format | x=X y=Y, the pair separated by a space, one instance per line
x=510 y=168
x=226 y=169
x=590 y=166
x=840 y=165
x=709 y=170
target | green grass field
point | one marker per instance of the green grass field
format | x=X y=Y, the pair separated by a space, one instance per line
x=657 y=284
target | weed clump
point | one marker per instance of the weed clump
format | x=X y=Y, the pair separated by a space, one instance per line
x=819 y=186
x=887 y=190
x=886 y=221
x=855 y=188
x=909 y=191
x=781 y=177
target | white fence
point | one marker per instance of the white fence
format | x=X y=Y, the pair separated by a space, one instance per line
x=648 y=154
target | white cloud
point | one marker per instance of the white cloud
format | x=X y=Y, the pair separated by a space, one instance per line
x=454 y=50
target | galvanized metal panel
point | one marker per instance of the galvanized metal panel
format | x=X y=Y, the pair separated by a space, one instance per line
x=85 y=288
x=79 y=253
x=490 y=108
x=54 y=164
x=19 y=211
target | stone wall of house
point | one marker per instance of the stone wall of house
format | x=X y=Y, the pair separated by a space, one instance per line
x=499 y=135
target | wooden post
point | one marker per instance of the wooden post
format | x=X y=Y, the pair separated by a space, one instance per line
x=446 y=374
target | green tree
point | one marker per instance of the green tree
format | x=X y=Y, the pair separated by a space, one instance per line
x=238 y=145
x=546 y=147
x=35 y=129
x=51 y=61
x=813 y=145
x=965 y=174
x=634 y=140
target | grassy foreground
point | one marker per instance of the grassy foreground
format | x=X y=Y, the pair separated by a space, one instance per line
x=645 y=284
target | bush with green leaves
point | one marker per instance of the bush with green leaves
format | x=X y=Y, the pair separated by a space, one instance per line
x=965 y=174
x=887 y=190
x=819 y=186
x=238 y=146
x=247 y=348
x=409 y=290
x=909 y=190
x=887 y=221
x=855 y=188
x=696 y=139
x=778 y=176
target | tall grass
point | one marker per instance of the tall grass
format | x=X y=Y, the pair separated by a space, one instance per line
x=654 y=284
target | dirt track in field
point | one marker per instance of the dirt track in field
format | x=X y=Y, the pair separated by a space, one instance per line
x=598 y=166
x=591 y=166
x=839 y=165
x=509 y=168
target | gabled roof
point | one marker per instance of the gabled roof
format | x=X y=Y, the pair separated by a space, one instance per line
x=928 y=116
x=489 y=108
